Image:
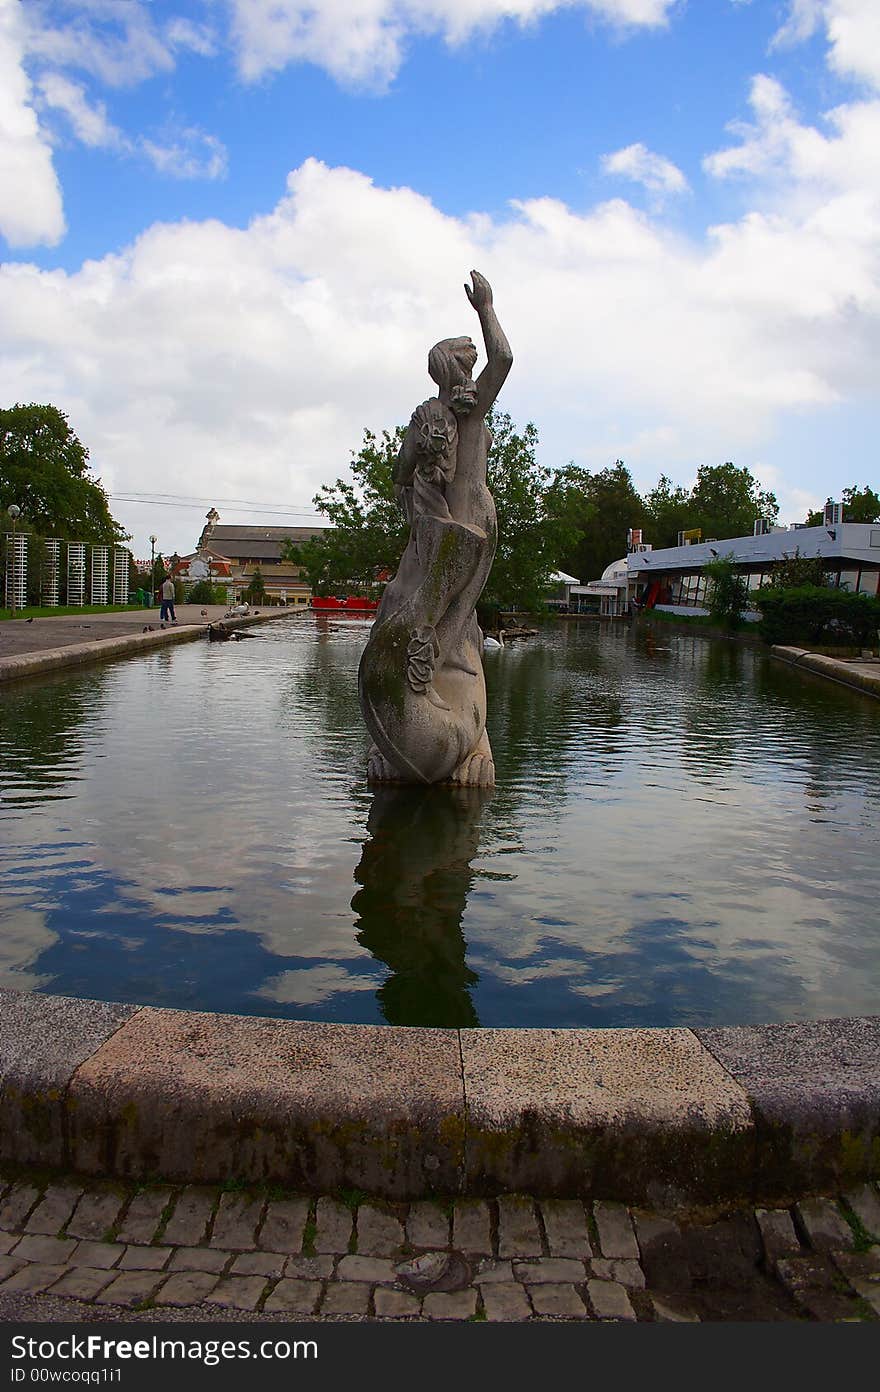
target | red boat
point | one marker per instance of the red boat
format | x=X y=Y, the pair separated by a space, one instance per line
x=351 y=604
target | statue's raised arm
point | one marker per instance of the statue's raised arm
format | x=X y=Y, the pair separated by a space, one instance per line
x=498 y=354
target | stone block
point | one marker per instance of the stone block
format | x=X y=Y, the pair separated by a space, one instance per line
x=186 y=1288
x=36 y=1248
x=95 y=1214
x=825 y=1227
x=8 y=1241
x=626 y=1273
x=550 y=1270
x=198 y=1259
x=236 y=1222
x=565 y=1223
x=258 y=1264
x=43 y=1041
x=33 y=1278
x=450 y=1305
x=394 y=1304
x=82 y=1282
x=375 y=1271
x=102 y=1255
x=815 y=1087
x=130 y=1288
x=559 y=1301
x=238 y=1292
x=346 y=1298
x=144 y=1259
x=777 y=1233
x=615 y=1229
x=141 y=1221
x=283 y=1225
x=610 y=1301
x=865 y=1204
x=472 y=1226
x=640 y=1115
x=54 y=1209
x=490 y=1270
x=294 y=1298
x=427 y=1225
x=334 y=1223
x=379 y=1234
x=17 y=1204
x=318 y=1268
x=188 y=1224
x=313 y=1106
x=518 y=1231
x=504 y=1303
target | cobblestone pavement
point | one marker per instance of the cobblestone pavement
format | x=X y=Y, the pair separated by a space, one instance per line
x=20 y=636
x=224 y=1253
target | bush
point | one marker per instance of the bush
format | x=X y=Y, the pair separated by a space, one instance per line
x=729 y=594
x=203 y=592
x=818 y=614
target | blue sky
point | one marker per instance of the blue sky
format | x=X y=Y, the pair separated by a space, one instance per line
x=232 y=230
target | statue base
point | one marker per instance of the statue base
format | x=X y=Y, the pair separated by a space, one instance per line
x=476 y=771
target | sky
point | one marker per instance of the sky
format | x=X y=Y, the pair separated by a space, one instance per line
x=230 y=231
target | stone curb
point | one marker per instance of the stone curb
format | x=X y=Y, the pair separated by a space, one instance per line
x=846 y=673
x=667 y=1117
x=31 y=664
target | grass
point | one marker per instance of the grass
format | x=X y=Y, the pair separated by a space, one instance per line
x=34 y=611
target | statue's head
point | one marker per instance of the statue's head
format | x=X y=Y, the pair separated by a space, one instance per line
x=450 y=365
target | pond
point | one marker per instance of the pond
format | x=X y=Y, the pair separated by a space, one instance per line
x=684 y=832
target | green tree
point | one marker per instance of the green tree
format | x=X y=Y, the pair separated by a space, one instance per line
x=729 y=592
x=603 y=507
x=44 y=469
x=256 y=590
x=725 y=501
x=667 y=512
x=797 y=570
x=368 y=531
x=859 y=505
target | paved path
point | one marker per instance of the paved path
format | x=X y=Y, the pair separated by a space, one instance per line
x=22 y=636
x=104 y=1251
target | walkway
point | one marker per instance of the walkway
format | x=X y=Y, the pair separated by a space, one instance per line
x=102 y=1251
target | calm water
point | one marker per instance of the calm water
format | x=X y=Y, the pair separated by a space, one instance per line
x=683 y=833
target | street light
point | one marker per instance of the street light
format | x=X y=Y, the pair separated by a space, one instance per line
x=152 y=571
x=14 y=512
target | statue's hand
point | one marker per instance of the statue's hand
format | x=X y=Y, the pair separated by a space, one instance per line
x=481 y=294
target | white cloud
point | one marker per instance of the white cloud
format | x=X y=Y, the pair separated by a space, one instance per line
x=190 y=154
x=115 y=40
x=852 y=28
x=245 y=363
x=197 y=38
x=364 y=41
x=640 y=164
x=30 y=197
x=90 y=124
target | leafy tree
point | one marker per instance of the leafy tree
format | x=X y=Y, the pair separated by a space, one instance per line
x=44 y=469
x=796 y=570
x=729 y=592
x=537 y=524
x=256 y=590
x=725 y=501
x=859 y=505
x=603 y=507
x=368 y=532
x=668 y=512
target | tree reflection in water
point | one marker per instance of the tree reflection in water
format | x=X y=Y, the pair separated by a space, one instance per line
x=415 y=872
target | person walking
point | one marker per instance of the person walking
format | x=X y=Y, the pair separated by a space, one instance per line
x=167 y=607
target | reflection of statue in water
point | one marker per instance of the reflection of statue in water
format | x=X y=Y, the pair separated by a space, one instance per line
x=421 y=685
x=416 y=874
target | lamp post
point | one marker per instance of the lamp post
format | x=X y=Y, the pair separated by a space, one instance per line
x=152 y=571
x=14 y=512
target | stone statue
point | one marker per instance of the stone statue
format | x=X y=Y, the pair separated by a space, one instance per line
x=420 y=683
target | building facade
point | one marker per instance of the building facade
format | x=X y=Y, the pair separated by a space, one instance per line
x=247 y=549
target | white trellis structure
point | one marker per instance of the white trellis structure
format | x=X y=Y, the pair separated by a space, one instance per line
x=76 y=573
x=50 y=576
x=120 y=575
x=100 y=574
x=15 y=578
